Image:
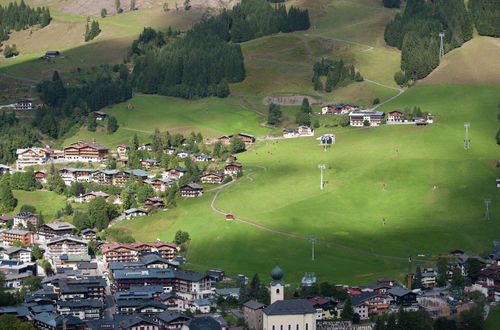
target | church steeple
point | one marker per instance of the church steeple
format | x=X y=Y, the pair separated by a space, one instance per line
x=277 y=287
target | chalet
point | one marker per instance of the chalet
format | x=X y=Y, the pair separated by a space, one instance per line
x=305 y=131
x=202 y=158
x=99 y=115
x=233 y=169
x=30 y=157
x=9 y=237
x=84 y=309
x=191 y=190
x=338 y=109
x=154 y=202
x=126 y=252
x=137 y=321
x=184 y=154
x=70 y=175
x=169 y=150
x=229 y=217
x=145 y=147
x=16 y=253
x=396 y=116
x=225 y=139
x=231 y=159
x=103 y=177
x=429 y=278
x=23 y=104
x=133 y=212
x=68 y=244
x=91 y=195
x=402 y=296
x=55 y=229
x=92 y=287
x=122 y=149
x=4 y=169
x=290 y=132
x=171 y=320
x=52 y=321
x=367 y=304
x=358 y=118
x=247 y=138
x=89 y=234
x=174 y=173
x=83 y=151
x=41 y=176
x=149 y=163
x=212 y=177
x=159 y=184
x=142 y=306
x=22 y=219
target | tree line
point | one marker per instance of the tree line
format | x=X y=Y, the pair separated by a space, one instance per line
x=391 y=3
x=337 y=73
x=416 y=33
x=20 y=16
x=486 y=17
x=207 y=58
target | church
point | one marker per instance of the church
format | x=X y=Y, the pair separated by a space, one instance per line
x=293 y=314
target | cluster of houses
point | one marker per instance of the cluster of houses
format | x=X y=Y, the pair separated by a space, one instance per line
x=143 y=285
x=359 y=117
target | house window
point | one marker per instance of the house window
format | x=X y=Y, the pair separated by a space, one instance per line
x=297 y=327
x=289 y=327
x=281 y=327
x=274 y=327
x=277 y=290
x=307 y=326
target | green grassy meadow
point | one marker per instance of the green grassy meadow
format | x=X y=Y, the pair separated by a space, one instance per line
x=493 y=319
x=432 y=200
x=210 y=116
x=45 y=202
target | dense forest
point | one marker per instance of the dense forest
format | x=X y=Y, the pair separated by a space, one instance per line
x=337 y=74
x=20 y=16
x=207 y=58
x=391 y=3
x=13 y=136
x=486 y=16
x=416 y=33
x=69 y=106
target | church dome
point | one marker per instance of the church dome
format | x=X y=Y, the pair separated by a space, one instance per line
x=277 y=273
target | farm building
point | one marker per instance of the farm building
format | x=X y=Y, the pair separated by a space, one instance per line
x=212 y=177
x=396 y=116
x=133 y=212
x=149 y=163
x=233 y=169
x=99 y=115
x=122 y=149
x=23 y=104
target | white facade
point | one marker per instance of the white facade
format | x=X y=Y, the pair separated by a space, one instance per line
x=30 y=157
x=289 y=322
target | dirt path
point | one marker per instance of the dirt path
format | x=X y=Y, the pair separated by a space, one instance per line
x=19 y=78
x=217 y=210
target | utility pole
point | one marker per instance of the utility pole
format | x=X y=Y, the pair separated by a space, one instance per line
x=467 y=139
x=441 y=46
x=321 y=168
x=487 y=203
x=312 y=240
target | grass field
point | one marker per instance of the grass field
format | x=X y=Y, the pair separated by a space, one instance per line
x=211 y=116
x=432 y=200
x=45 y=202
x=493 y=319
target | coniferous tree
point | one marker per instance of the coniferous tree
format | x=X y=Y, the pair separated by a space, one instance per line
x=274 y=114
x=112 y=125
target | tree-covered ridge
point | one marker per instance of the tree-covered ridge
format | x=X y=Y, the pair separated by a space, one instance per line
x=69 y=106
x=486 y=16
x=207 y=58
x=20 y=16
x=416 y=33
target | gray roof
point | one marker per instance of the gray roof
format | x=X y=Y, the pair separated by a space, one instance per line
x=252 y=304
x=67 y=237
x=203 y=323
x=358 y=299
x=228 y=291
x=169 y=316
x=289 y=307
x=137 y=172
x=366 y=113
x=59 y=225
x=131 y=320
x=55 y=320
x=134 y=210
x=18 y=311
x=76 y=303
x=398 y=291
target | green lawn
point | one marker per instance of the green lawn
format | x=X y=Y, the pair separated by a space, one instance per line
x=211 y=116
x=45 y=202
x=493 y=319
x=432 y=200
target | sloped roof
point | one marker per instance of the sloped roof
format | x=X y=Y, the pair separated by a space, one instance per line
x=252 y=304
x=289 y=307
